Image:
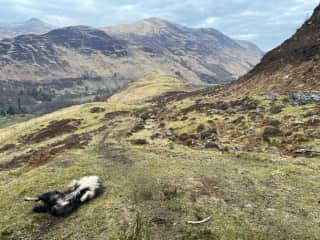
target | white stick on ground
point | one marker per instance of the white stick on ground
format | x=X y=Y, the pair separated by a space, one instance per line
x=34 y=199
x=199 y=222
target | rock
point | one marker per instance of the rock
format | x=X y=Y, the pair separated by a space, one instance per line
x=209 y=135
x=300 y=98
x=297 y=123
x=313 y=121
x=260 y=110
x=271 y=132
x=169 y=133
x=271 y=96
x=307 y=152
x=214 y=112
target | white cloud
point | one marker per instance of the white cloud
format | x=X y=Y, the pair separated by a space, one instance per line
x=246 y=36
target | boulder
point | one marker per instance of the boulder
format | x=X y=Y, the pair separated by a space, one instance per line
x=271 y=96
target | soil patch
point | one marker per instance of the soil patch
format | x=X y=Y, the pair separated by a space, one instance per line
x=54 y=129
x=46 y=154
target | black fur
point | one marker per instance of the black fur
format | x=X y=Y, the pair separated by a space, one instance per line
x=51 y=202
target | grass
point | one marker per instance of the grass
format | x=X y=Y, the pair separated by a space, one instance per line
x=247 y=195
x=151 y=191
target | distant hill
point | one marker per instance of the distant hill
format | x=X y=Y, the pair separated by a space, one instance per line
x=294 y=65
x=33 y=25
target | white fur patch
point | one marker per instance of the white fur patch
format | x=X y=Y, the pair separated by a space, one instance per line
x=91 y=183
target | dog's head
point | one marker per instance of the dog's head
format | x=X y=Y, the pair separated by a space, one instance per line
x=50 y=198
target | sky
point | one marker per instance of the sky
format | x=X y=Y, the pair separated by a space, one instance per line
x=266 y=23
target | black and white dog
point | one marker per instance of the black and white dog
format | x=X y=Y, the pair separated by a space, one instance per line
x=63 y=203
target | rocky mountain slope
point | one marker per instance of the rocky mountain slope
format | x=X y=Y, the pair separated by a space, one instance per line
x=209 y=54
x=164 y=160
x=290 y=67
x=31 y=26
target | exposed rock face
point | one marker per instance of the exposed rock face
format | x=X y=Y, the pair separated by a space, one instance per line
x=293 y=66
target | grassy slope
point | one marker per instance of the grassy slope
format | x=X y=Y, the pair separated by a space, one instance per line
x=248 y=195
x=147 y=88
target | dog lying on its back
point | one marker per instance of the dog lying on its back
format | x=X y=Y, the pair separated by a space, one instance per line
x=63 y=203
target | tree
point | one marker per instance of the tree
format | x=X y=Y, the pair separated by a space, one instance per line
x=11 y=111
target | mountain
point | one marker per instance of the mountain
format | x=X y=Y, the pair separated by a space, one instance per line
x=196 y=55
x=208 y=54
x=250 y=46
x=292 y=66
x=73 y=64
x=33 y=25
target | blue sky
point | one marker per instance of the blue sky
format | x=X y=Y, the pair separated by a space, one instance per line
x=264 y=22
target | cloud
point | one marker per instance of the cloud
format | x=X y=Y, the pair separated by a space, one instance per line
x=267 y=23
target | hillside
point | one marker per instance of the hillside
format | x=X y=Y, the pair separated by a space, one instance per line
x=177 y=157
x=149 y=87
x=33 y=25
x=292 y=66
